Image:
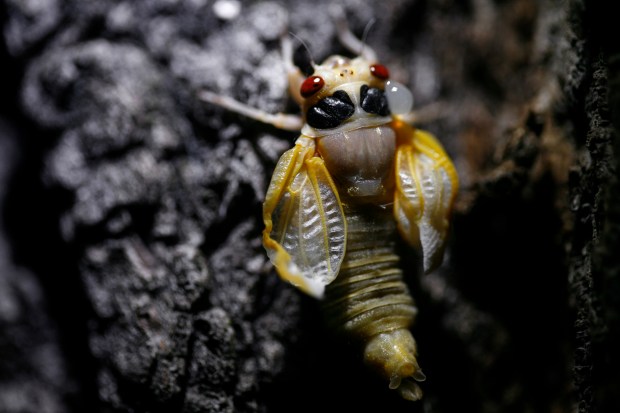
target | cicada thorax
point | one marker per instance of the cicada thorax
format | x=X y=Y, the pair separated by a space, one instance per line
x=351 y=125
x=361 y=162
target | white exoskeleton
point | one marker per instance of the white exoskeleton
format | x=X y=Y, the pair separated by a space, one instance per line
x=358 y=173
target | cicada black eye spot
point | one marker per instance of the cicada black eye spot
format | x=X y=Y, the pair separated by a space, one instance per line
x=311 y=85
x=379 y=71
x=330 y=111
x=373 y=100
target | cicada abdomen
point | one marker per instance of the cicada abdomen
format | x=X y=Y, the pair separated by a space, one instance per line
x=369 y=301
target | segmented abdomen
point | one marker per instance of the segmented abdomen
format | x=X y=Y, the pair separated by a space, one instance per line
x=370 y=302
x=369 y=296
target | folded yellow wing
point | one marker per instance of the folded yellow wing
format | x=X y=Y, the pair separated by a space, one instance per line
x=305 y=227
x=426 y=185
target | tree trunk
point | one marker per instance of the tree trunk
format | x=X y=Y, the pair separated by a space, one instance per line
x=132 y=275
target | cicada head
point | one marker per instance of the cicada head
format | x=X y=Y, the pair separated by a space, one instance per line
x=345 y=94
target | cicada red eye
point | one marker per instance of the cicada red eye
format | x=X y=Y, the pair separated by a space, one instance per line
x=379 y=71
x=311 y=85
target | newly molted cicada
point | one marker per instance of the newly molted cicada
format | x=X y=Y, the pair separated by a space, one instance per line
x=358 y=174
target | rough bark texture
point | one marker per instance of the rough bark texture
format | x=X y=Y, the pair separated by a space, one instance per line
x=132 y=277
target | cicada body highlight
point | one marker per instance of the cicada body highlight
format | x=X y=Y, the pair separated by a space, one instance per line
x=357 y=175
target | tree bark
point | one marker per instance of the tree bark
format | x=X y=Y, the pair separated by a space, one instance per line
x=132 y=275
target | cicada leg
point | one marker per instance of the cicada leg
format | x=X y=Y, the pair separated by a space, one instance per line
x=279 y=120
x=431 y=112
x=293 y=73
x=348 y=39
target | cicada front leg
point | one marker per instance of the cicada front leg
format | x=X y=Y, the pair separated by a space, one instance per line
x=283 y=121
x=279 y=120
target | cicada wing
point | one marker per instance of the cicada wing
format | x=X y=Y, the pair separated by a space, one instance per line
x=426 y=185
x=305 y=227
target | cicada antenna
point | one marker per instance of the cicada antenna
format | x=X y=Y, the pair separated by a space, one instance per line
x=369 y=25
x=294 y=74
x=348 y=39
x=305 y=45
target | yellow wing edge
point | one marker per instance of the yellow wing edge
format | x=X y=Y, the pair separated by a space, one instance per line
x=299 y=158
x=413 y=221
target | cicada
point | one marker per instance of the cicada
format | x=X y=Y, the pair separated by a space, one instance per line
x=359 y=173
